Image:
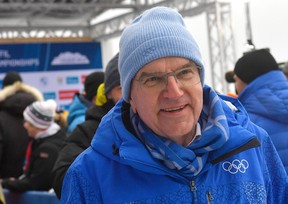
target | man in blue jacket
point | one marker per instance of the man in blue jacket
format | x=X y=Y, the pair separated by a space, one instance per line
x=172 y=139
x=263 y=90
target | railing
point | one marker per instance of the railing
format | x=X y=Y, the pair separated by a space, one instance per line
x=30 y=197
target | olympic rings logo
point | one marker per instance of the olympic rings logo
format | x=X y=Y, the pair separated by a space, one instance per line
x=236 y=166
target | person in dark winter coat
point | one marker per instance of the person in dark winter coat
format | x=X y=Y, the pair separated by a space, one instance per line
x=82 y=135
x=82 y=101
x=15 y=96
x=42 y=151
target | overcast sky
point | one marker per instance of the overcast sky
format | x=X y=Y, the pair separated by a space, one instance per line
x=269 y=20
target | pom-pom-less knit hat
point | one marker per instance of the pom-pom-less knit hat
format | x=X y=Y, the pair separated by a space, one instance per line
x=254 y=64
x=158 y=32
x=91 y=84
x=112 y=78
x=10 y=78
x=41 y=113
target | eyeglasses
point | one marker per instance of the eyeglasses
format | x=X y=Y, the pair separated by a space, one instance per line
x=187 y=76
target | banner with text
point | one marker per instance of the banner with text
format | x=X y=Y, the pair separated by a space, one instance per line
x=58 y=70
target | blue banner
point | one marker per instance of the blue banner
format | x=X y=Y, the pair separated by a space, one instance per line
x=31 y=57
x=58 y=70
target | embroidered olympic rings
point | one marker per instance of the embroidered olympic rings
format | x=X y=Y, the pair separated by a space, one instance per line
x=236 y=166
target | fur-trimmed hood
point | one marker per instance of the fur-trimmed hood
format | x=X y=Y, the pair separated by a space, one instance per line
x=16 y=97
x=19 y=86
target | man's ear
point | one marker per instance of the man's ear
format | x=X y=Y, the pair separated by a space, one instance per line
x=131 y=101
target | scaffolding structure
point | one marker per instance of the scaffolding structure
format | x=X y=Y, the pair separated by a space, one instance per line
x=26 y=19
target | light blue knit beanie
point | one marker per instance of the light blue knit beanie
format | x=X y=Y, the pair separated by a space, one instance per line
x=158 y=32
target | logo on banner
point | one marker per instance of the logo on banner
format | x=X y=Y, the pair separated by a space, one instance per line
x=59 y=80
x=72 y=80
x=49 y=95
x=83 y=77
x=70 y=58
x=44 y=81
x=67 y=94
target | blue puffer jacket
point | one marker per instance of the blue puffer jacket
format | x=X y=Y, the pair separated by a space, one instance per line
x=77 y=110
x=266 y=101
x=117 y=168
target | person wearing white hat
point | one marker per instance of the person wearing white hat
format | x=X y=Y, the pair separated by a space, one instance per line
x=15 y=96
x=46 y=140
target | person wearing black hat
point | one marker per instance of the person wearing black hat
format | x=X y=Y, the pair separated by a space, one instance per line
x=10 y=78
x=82 y=101
x=263 y=90
x=229 y=77
x=15 y=96
x=107 y=95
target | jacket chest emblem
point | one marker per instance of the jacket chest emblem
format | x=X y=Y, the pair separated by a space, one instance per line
x=236 y=166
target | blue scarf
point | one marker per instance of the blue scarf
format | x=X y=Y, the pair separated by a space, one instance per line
x=191 y=160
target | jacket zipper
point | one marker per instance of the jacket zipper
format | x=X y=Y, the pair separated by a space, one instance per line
x=209 y=197
x=193 y=188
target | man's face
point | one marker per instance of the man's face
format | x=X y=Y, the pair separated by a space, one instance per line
x=115 y=94
x=31 y=129
x=171 y=110
x=239 y=84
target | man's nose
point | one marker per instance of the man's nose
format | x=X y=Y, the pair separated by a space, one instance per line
x=172 y=88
